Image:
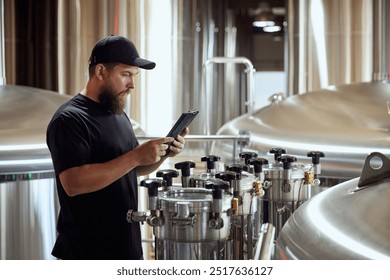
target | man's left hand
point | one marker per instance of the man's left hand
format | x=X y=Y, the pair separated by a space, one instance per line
x=178 y=145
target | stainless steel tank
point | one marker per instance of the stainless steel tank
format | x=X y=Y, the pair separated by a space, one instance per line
x=234 y=214
x=188 y=223
x=348 y=221
x=28 y=198
x=187 y=233
x=28 y=202
x=345 y=122
x=286 y=187
x=246 y=207
x=332 y=104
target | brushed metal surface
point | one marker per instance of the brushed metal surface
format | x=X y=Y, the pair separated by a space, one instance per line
x=186 y=232
x=28 y=198
x=346 y=122
x=339 y=224
x=24 y=115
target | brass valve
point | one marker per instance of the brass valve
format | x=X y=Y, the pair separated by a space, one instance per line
x=259 y=191
x=235 y=203
x=309 y=177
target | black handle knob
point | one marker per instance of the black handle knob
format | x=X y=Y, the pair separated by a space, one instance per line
x=246 y=156
x=217 y=186
x=258 y=164
x=185 y=167
x=211 y=159
x=228 y=176
x=167 y=175
x=152 y=185
x=237 y=167
x=315 y=156
x=287 y=160
x=277 y=152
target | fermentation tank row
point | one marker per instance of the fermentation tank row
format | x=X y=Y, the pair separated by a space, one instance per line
x=230 y=214
x=270 y=204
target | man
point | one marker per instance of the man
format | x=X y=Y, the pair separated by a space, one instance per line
x=97 y=158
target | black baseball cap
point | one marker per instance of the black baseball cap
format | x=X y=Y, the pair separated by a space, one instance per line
x=118 y=49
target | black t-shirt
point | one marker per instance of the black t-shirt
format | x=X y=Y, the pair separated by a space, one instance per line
x=94 y=225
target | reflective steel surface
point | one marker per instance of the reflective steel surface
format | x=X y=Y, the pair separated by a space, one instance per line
x=347 y=221
x=28 y=215
x=186 y=232
x=28 y=199
x=24 y=115
x=345 y=122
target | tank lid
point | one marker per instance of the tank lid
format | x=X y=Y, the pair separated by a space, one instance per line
x=24 y=115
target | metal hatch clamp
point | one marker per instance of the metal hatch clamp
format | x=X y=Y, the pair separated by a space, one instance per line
x=376 y=168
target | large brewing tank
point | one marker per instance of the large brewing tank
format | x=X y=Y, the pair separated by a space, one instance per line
x=345 y=122
x=28 y=205
x=28 y=198
x=348 y=221
x=188 y=223
x=328 y=42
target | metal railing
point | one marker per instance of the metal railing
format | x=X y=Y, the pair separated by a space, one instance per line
x=239 y=141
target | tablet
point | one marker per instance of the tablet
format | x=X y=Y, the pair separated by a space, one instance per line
x=184 y=121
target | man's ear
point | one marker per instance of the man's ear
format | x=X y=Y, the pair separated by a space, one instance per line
x=99 y=69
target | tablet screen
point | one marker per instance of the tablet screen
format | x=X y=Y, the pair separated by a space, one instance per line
x=183 y=122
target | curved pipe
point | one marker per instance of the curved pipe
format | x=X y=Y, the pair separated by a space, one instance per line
x=250 y=83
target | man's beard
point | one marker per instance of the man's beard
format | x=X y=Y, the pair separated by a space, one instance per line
x=112 y=101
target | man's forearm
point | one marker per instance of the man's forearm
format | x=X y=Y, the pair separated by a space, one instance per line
x=147 y=169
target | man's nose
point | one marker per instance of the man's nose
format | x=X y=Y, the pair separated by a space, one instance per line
x=130 y=84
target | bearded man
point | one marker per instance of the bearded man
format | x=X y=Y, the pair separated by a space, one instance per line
x=97 y=158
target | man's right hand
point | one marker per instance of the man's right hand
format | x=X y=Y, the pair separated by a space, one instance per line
x=152 y=151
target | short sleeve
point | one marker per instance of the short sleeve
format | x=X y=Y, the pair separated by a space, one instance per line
x=67 y=139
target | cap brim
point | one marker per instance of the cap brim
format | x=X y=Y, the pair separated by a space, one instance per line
x=143 y=63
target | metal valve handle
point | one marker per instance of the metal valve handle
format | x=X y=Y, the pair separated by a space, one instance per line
x=258 y=164
x=277 y=152
x=185 y=167
x=217 y=185
x=167 y=175
x=287 y=160
x=247 y=156
x=228 y=176
x=237 y=167
x=211 y=159
x=315 y=155
x=153 y=185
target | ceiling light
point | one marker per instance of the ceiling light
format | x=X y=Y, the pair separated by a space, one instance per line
x=274 y=28
x=264 y=17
